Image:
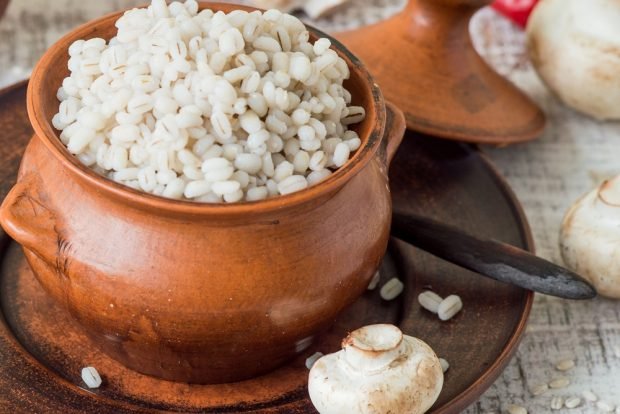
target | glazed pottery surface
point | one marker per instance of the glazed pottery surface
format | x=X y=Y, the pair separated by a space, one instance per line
x=424 y=62
x=194 y=292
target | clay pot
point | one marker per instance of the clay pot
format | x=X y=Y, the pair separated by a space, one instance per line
x=195 y=292
x=424 y=61
x=3 y=5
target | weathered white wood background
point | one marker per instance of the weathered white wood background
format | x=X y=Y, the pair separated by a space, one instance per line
x=573 y=155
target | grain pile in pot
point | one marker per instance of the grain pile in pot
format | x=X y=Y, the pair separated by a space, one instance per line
x=209 y=107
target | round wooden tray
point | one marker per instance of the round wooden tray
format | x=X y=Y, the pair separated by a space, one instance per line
x=42 y=350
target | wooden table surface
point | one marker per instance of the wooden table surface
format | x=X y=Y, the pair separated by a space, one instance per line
x=573 y=155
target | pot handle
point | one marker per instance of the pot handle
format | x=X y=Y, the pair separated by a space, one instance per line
x=395 y=127
x=26 y=218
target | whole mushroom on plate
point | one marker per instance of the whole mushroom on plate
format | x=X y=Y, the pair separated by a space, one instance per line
x=575 y=47
x=590 y=237
x=378 y=370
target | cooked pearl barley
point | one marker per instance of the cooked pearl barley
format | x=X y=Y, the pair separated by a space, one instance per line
x=430 y=301
x=222 y=188
x=284 y=170
x=197 y=188
x=557 y=403
x=250 y=163
x=311 y=360
x=174 y=189
x=317 y=161
x=558 y=383
x=449 y=307
x=376 y=278
x=306 y=133
x=392 y=289
x=210 y=107
x=353 y=144
x=589 y=396
x=257 y=193
x=233 y=197
x=91 y=377
x=300 y=116
x=605 y=406
x=341 y=154
x=565 y=365
x=316 y=177
x=80 y=139
x=539 y=389
x=301 y=161
x=572 y=402
x=445 y=365
x=321 y=46
x=516 y=409
x=292 y=184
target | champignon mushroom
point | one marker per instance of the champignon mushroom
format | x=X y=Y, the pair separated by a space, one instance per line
x=378 y=370
x=590 y=237
x=575 y=48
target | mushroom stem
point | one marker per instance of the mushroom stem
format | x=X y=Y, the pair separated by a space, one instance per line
x=372 y=348
x=590 y=238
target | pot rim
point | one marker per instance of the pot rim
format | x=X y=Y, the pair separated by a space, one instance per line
x=45 y=131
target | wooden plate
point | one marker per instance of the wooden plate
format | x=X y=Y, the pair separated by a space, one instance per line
x=42 y=350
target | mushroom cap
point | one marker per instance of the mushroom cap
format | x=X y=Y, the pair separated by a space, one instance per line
x=590 y=238
x=408 y=383
x=575 y=48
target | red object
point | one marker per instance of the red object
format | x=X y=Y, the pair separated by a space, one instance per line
x=516 y=10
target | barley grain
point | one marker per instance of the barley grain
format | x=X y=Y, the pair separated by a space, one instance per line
x=430 y=301
x=449 y=307
x=565 y=365
x=91 y=377
x=560 y=382
x=516 y=409
x=557 y=403
x=445 y=365
x=572 y=402
x=392 y=289
x=311 y=360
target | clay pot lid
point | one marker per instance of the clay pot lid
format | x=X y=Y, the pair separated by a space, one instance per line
x=3 y=6
x=424 y=62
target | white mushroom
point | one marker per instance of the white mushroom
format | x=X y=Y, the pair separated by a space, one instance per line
x=590 y=238
x=378 y=370
x=575 y=47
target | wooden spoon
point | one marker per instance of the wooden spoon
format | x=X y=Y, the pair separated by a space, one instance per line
x=424 y=62
x=490 y=258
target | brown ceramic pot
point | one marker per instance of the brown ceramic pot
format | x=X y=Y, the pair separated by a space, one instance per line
x=3 y=5
x=424 y=61
x=196 y=292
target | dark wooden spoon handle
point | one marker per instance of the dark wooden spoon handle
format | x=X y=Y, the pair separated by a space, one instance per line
x=490 y=258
